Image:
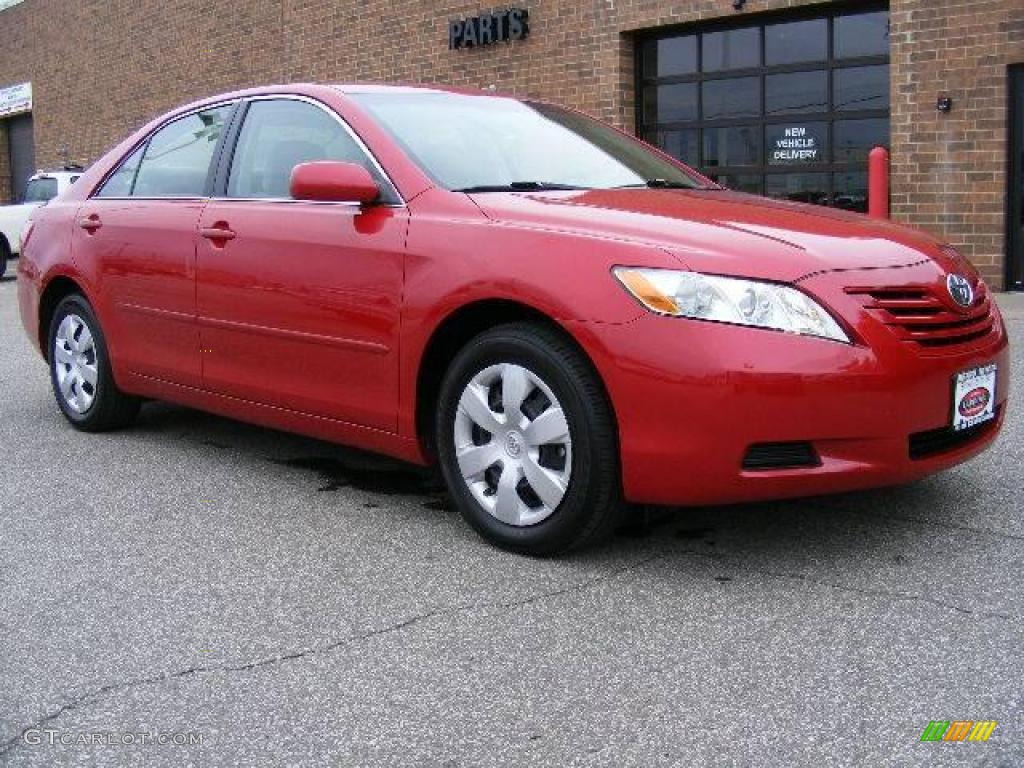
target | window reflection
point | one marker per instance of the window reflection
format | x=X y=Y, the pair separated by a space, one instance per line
x=861 y=34
x=737 y=145
x=796 y=92
x=861 y=88
x=732 y=49
x=855 y=138
x=681 y=144
x=670 y=103
x=670 y=56
x=798 y=187
x=851 y=191
x=734 y=97
x=796 y=41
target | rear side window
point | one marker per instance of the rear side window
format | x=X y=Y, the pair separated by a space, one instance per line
x=40 y=190
x=278 y=135
x=120 y=182
x=174 y=162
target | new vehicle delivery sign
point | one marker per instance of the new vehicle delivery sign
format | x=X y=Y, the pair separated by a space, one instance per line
x=794 y=144
x=15 y=99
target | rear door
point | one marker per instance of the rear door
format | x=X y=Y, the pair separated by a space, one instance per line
x=298 y=302
x=138 y=235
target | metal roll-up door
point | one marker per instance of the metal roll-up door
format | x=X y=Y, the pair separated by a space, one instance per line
x=23 y=153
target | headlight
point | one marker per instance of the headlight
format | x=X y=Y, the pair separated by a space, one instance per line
x=729 y=300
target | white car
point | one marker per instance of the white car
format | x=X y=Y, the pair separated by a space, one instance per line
x=42 y=187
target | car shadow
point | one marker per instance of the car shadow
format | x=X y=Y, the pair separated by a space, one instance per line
x=785 y=534
x=330 y=467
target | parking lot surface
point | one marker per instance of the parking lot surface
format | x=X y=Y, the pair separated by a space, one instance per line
x=289 y=602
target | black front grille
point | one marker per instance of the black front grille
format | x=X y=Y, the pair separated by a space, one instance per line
x=793 y=455
x=937 y=441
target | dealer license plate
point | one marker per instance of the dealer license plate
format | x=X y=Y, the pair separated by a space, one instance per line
x=974 y=397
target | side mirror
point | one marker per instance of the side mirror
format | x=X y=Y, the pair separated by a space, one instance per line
x=328 y=181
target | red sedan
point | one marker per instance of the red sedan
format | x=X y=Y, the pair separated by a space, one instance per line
x=557 y=314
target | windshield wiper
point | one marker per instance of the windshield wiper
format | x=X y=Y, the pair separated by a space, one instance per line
x=660 y=184
x=519 y=186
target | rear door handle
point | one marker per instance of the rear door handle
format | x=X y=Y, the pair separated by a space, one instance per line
x=218 y=232
x=90 y=223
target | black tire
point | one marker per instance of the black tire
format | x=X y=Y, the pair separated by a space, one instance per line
x=5 y=254
x=110 y=408
x=591 y=503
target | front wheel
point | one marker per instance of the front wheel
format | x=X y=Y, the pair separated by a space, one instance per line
x=83 y=384
x=527 y=443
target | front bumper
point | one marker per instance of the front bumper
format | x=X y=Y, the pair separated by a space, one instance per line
x=692 y=397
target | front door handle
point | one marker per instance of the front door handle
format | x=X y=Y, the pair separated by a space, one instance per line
x=218 y=231
x=90 y=223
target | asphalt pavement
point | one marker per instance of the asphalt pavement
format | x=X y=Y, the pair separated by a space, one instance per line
x=195 y=591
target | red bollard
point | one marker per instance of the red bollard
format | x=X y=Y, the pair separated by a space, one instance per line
x=878 y=183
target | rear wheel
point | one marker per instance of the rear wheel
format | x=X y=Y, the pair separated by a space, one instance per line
x=526 y=441
x=83 y=384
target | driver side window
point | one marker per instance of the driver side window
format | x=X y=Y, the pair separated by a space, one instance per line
x=279 y=134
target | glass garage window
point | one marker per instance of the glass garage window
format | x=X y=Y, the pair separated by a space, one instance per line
x=681 y=144
x=732 y=49
x=788 y=107
x=671 y=56
x=861 y=34
x=735 y=97
x=796 y=41
x=796 y=92
x=732 y=145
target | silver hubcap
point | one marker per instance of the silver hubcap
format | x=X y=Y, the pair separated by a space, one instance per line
x=512 y=443
x=74 y=362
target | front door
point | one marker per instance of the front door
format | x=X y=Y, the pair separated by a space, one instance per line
x=1015 y=228
x=140 y=232
x=298 y=302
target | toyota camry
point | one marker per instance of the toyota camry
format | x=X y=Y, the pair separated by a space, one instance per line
x=561 y=317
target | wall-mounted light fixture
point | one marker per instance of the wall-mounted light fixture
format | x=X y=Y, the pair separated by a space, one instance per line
x=738 y=4
x=944 y=104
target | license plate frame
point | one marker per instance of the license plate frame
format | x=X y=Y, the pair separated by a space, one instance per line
x=974 y=397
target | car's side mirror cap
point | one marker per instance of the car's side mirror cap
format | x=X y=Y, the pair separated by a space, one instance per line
x=329 y=181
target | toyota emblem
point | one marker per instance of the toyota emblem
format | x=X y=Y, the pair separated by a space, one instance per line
x=960 y=290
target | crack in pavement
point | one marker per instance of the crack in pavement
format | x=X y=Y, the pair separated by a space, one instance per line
x=736 y=559
x=112 y=688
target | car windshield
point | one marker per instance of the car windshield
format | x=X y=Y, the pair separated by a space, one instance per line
x=486 y=143
x=40 y=190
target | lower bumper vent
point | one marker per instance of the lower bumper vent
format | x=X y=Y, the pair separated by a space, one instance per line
x=937 y=441
x=793 y=455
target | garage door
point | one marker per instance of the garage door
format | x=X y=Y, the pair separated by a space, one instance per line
x=786 y=107
x=23 y=153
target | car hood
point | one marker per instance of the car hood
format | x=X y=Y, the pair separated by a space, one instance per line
x=721 y=231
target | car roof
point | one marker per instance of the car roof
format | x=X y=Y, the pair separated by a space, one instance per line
x=356 y=88
x=317 y=89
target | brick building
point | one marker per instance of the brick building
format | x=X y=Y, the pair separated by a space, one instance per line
x=778 y=97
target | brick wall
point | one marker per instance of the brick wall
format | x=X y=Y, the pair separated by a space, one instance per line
x=949 y=169
x=101 y=67
x=5 y=166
